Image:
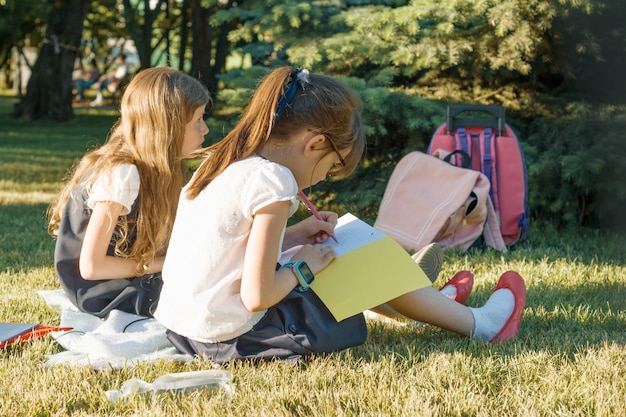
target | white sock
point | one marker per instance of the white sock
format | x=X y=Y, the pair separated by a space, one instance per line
x=449 y=291
x=490 y=318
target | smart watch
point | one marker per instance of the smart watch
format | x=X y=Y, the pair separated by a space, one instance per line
x=303 y=274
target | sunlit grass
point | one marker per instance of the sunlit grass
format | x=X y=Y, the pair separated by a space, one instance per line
x=569 y=358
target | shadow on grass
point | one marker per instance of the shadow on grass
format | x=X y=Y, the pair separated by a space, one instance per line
x=557 y=321
x=571 y=319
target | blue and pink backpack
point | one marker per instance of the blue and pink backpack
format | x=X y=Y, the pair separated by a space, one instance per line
x=485 y=143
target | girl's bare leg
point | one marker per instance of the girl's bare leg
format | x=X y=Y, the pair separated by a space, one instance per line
x=498 y=319
x=428 y=305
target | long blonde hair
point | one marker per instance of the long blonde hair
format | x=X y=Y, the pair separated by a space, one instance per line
x=155 y=109
x=321 y=104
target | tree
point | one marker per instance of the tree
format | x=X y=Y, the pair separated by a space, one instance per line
x=209 y=40
x=489 y=51
x=49 y=90
x=192 y=24
x=21 y=24
x=140 y=23
x=104 y=32
x=184 y=33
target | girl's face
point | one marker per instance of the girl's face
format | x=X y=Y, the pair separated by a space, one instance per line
x=195 y=131
x=330 y=164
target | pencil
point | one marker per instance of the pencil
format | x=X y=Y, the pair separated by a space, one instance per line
x=315 y=213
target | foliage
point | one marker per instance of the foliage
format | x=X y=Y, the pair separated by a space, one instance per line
x=21 y=24
x=104 y=31
x=494 y=51
x=409 y=59
x=485 y=51
x=21 y=21
x=140 y=18
x=408 y=127
x=524 y=55
x=577 y=166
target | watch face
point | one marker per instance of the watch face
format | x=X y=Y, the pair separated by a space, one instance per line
x=305 y=272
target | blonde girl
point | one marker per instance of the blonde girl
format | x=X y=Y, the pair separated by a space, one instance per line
x=112 y=220
x=224 y=296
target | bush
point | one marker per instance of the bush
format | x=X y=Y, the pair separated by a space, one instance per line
x=577 y=165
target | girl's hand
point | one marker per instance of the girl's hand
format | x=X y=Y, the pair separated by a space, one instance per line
x=311 y=230
x=317 y=256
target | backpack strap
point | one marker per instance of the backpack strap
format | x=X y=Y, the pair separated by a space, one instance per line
x=524 y=224
x=488 y=164
x=466 y=161
x=462 y=142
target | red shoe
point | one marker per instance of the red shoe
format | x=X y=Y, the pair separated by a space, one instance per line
x=513 y=282
x=463 y=281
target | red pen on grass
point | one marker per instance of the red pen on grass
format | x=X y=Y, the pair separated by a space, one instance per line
x=315 y=213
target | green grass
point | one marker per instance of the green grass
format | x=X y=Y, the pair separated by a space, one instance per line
x=569 y=358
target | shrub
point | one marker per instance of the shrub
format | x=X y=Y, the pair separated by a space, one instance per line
x=577 y=166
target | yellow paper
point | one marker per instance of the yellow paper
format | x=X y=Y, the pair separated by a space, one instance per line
x=370 y=275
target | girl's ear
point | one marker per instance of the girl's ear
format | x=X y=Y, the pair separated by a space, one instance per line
x=313 y=144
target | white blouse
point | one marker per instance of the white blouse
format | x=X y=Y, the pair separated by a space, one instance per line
x=203 y=267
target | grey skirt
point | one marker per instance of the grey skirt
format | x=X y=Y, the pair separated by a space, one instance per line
x=133 y=295
x=298 y=326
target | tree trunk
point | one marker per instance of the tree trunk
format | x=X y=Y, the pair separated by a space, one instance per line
x=184 y=34
x=222 y=49
x=208 y=44
x=141 y=27
x=201 y=42
x=49 y=89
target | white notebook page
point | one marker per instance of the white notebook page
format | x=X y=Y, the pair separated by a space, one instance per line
x=351 y=233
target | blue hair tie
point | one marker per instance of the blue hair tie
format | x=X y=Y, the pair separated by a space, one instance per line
x=300 y=79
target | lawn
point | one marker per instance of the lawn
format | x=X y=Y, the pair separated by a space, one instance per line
x=569 y=358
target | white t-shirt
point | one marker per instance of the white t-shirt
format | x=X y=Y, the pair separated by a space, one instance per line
x=201 y=297
x=121 y=186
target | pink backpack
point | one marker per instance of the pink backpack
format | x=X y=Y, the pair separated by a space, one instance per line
x=429 y=200
x=489 y=145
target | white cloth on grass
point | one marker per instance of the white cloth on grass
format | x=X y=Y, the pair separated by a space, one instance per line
x=122 y=339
